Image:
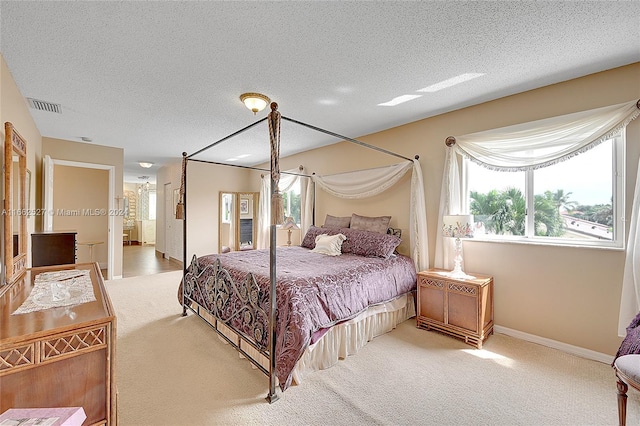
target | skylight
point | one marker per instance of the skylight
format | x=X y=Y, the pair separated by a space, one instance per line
x=400 y=99
x=451 y=82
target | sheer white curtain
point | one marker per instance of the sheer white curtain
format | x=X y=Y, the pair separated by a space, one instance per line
x=630 y=299
x=264 y=213
x=370 y=182
x=537 y=144
x=287 y=181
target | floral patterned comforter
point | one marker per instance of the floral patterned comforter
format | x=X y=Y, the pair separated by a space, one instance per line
x=313 y=291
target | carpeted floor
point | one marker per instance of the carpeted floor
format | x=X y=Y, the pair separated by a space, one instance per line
x=173 y=370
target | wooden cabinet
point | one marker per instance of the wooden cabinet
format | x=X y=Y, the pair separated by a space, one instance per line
x=460 y=308
x=62 y=356
x=53 y=248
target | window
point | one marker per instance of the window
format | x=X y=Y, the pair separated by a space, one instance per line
x=292 y=202
x=579 y=201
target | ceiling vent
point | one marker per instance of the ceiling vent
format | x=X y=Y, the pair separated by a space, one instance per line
x=44 y=106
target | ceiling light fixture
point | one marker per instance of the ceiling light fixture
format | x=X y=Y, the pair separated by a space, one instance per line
x=145 y=164
x=451 y=82
x=256 y=102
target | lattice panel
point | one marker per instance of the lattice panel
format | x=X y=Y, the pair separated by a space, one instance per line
x=433 y=283
x=461 y=288
x=73 y=343
x=16 y=357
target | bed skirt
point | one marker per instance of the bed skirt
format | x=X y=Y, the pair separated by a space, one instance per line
x=341 y=340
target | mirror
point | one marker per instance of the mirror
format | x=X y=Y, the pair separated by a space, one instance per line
x=238 y=221
x=15 y=204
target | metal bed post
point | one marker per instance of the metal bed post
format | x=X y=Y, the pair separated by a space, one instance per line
x=184 y=230
x=272 y=396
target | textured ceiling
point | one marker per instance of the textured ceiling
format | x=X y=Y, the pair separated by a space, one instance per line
x=160 y=78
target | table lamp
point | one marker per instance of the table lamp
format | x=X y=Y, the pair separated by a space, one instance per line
x=289 y=224
x=458 y=226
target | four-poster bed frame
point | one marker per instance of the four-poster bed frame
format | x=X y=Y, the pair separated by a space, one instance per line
x=248 y=291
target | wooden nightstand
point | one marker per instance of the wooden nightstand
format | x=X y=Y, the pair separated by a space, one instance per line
x=460 y=308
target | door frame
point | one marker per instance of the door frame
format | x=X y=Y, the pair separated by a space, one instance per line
x=47 y=194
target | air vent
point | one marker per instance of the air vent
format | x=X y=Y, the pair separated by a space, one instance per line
x=44 y=106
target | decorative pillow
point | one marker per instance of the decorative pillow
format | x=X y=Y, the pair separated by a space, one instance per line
x=373 y=224
x=329 y=244
x=369 y=244
x=309 y=240
x=336 y=222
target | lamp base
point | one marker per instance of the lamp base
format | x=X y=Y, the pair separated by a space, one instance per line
x=458 y=273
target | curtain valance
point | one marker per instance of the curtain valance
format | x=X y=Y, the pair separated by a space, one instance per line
x=362 y=183
x=545 y=142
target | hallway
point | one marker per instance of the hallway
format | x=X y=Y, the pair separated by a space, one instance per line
x=140 y=260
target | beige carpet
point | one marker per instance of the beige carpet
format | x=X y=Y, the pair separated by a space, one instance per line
x=173 y=370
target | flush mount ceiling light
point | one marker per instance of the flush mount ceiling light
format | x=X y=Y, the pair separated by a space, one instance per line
x=145 y=164
x=256 y=102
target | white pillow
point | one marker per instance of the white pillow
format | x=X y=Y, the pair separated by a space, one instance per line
x=330 y=245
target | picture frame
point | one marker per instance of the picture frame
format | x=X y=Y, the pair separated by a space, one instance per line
x=244 y=206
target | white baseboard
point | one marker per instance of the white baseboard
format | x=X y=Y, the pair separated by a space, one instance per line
x=574 y=350
x=117 y=277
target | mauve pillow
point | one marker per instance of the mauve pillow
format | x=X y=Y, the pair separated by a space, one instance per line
x=309 y=240
x=336 y=222
x=373 y=224
x=369 y=244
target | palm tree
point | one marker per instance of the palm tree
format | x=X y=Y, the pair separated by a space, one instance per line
x=561 y=200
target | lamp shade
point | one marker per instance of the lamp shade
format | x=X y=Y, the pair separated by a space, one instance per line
x=254 y=101
x=457 y=226
x=289 y=223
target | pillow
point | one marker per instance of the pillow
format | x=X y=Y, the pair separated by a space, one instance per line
x=369 y=244
x=373 y=224
x=336 y=222
x=309 y=240
x=361 y=243
x=329 y=244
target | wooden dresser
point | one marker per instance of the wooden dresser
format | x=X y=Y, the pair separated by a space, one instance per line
x=460 y=308
x=59 y=357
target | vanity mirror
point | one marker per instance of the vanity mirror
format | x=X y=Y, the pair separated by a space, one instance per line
x=238 y=221
x=15 y=204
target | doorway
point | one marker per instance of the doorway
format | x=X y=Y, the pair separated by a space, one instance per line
x=79 y=205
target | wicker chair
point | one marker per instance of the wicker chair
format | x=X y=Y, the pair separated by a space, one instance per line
x=627 y=368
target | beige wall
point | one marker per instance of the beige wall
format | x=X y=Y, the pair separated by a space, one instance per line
x=168 y=229
x=59 y=149
x=14 y=109
x=204 y=184
x=75 y=190
x=568 y=295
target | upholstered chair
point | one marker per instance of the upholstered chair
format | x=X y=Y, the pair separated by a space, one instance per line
x=627 y=368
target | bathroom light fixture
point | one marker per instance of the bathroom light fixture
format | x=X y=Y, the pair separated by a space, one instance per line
x=145 y=164
x=256 y=102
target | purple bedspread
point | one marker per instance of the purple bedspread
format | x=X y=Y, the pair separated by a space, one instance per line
x=314 y=291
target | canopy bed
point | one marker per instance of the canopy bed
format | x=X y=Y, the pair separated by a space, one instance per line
x=282 y=307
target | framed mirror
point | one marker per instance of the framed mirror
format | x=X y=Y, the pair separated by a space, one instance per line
x=15 y=204
x=237 y=221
